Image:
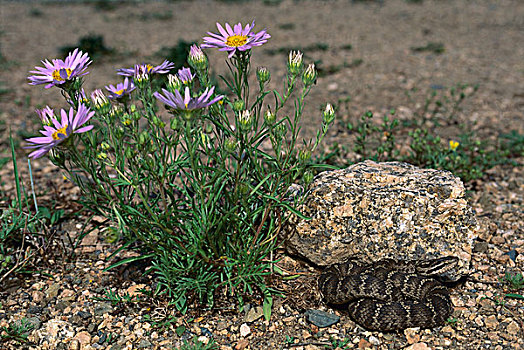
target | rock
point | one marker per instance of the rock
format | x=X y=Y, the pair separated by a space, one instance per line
x=52 y=291
x=418 y=346
x=363 y=344
x=321 y=319
x=374 y=340
x=244 y=330
x=412 y=335
x=491 y=322
x=254 y=314
x=83 y=337
x=513 y=328
x=103 y=308
x=242 y=344
x=381 y=210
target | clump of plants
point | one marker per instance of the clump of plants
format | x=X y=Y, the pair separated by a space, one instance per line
x=194 y=181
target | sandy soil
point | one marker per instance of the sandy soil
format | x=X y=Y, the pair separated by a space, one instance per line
x=483 y=42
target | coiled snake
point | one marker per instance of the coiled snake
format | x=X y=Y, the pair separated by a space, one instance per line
x=390 y=294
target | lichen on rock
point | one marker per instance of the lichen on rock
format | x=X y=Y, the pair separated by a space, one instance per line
x=383 y=210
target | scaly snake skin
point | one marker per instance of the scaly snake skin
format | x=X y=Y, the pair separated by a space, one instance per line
x=390 y=295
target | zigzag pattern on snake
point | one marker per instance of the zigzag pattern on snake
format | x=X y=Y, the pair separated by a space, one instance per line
x=389 y=294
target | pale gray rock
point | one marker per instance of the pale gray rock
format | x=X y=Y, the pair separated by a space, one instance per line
x=383 y=210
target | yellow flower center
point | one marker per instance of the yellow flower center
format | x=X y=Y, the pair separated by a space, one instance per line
x=149 y=67
x=236 y=40
x=61 y=131
x=119 y=92
x=58 y=77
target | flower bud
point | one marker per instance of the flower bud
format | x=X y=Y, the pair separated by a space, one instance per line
x=310 y=75
x=105 y=146
x=185 y=76
x=304 y=155
x=143 y=137
x=308 y=177
x=102 y=156
x=238 y=105
x=328 y=115
x=46 y=115
x=173 y=83
x=119 y=132
x=158 y=122
x=231 y=145
x=270 y=117
x=295 y=63
x=245 y=119
x=100 y=102
x=453 y=145
x=197 y=59
x=141 y=75
x=174 y=123
x=263 y=75
x=205 y=139
x=129 y=152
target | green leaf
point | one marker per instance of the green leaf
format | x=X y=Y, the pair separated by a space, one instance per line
x=267 y=305
x=515 y=296
x=180 y=330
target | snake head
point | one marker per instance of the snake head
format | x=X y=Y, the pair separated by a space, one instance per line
x=443 y=268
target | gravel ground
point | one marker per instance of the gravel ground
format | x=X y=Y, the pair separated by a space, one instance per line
x=481 y=47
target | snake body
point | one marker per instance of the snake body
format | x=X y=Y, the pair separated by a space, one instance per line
x=389 y=294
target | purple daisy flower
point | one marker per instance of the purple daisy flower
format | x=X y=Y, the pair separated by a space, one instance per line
x=58 y=131
x=236 y=38
x=163 y=68
x=121 y=89
x=58 y=72
x=187 y=103
x=185 y=75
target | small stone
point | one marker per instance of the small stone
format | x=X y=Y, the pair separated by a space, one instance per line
x=244 y=330
x=134 y=290
x=37 y=296
x=374 y=340
x=306 y=334
x=74 y=345
x=254 y=314
x=513 y=328
x=321 y=319
x=288 y=319
x=418 y=346
x=491 y=322
x=103 y=308
x=242 y=344
x=363 y=344
x=52 y=291
x=144 y=344
x=479 y=321
x=83 y=337
x=412 y=335
x=480 y=247
x=203 y=339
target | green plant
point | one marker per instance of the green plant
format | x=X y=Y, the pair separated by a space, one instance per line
x=196 y=344
x=342 y=344
x=16 y=331
x=515 y=280
x=116 y=299
x=193 y=189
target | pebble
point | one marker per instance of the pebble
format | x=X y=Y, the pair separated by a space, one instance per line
x=513 y=328
x=374 y=340
x=242 y=344
x=320 y=318
x=363 y=344
x=83 y=337
x=418 y=346
x=491 y=322
x=244 y=330
x=254 y=314
x=412 y=335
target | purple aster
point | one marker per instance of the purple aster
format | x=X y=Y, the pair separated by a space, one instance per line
x=58 y=72
x=185 y=76
x=46 y=114
x=236 y=38
x=121 y=89
x=59 y=131
x=187 y=103
x=164 y=68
